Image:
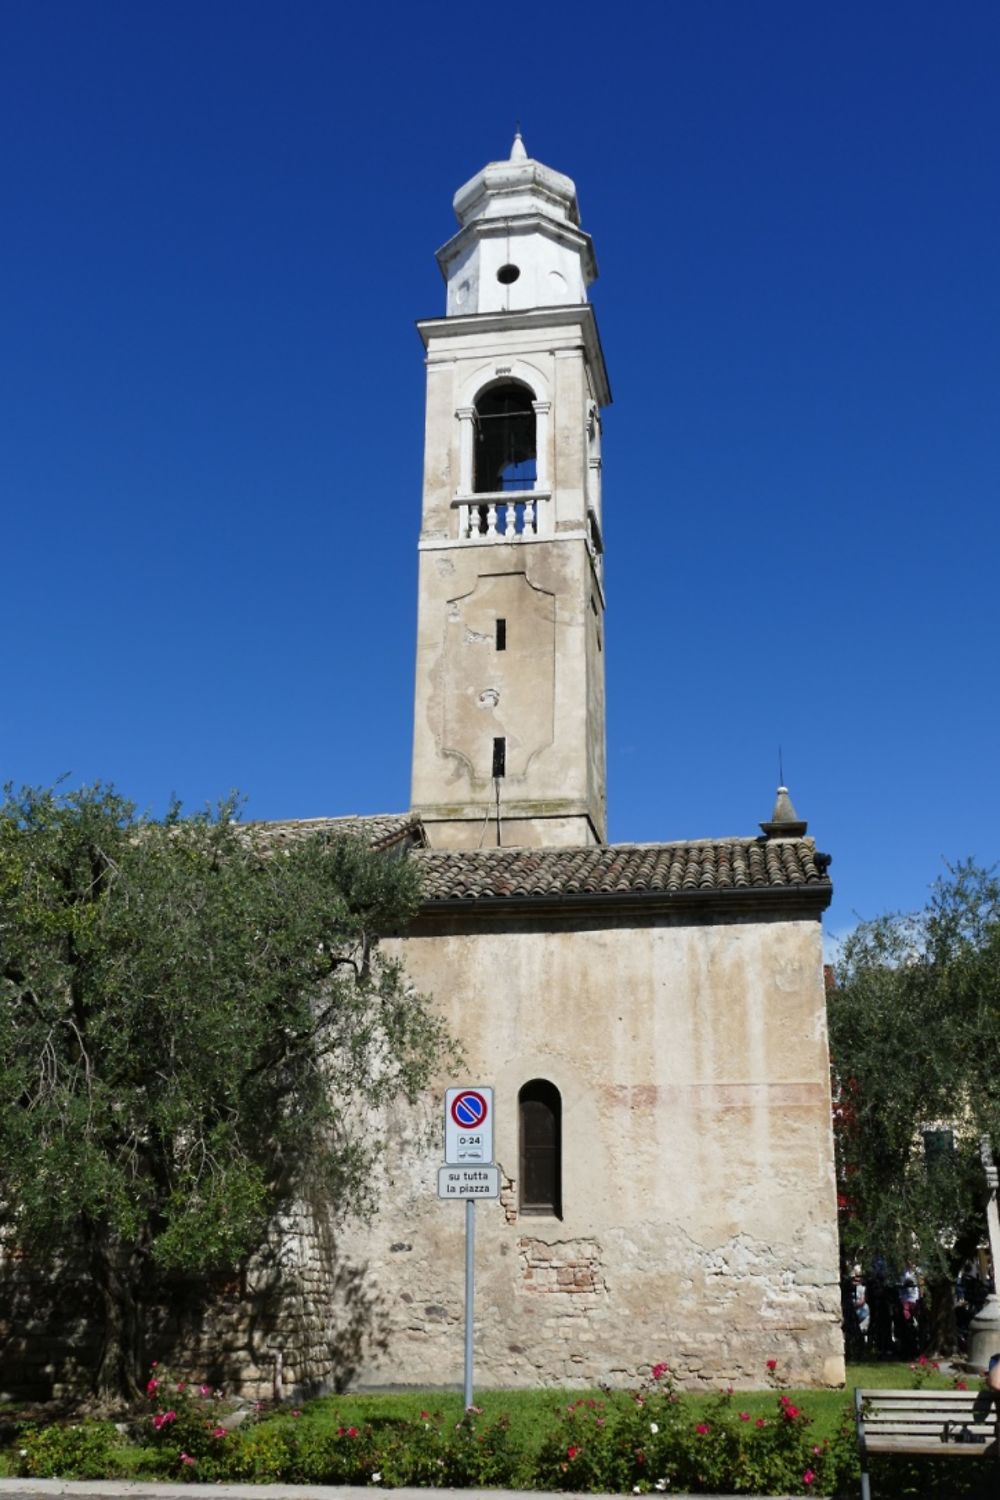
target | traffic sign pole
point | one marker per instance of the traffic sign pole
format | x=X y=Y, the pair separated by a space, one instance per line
x=469 y=1172
x=470 y=1292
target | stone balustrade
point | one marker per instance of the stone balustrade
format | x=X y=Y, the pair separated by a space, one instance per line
x=502 y=516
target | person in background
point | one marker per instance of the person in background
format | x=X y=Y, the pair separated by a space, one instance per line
x=909 y=1299
x=861 y=1309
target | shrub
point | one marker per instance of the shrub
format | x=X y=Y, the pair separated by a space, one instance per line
x=655 y=1444
x=262 y=1454
x=85 y=1450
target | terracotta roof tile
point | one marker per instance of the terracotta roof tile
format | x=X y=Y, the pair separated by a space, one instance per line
x=381 y=830
x=692 y=868
x=705 y=866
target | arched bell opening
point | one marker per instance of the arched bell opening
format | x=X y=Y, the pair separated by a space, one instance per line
x=506 y=442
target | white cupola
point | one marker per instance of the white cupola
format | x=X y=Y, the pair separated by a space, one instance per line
x=520 y=245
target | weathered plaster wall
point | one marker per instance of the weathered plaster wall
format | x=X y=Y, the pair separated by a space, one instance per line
x=534 y=694
x=699 y=1219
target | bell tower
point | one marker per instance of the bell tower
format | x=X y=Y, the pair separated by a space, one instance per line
x=509 y=744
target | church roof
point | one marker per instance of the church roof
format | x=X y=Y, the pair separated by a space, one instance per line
x=699 y=867
x=381 y=830
x=683 y=871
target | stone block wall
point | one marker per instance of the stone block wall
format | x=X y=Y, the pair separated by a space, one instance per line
x=299 y=1319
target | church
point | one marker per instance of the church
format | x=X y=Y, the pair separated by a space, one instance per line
x=651 y=1017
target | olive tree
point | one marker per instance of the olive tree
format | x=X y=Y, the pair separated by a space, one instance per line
x=191 y=1021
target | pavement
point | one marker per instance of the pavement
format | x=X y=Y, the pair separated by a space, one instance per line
x=94 y=1489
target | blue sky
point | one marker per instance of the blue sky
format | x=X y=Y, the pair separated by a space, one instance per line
x=220 y=225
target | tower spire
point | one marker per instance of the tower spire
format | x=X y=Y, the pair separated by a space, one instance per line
x=517 y=151
x=785 y=822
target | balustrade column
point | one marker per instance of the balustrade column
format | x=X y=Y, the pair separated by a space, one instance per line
x=466 y=447
x=542 y=409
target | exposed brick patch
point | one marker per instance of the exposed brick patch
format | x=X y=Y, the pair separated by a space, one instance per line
x=569 y=1267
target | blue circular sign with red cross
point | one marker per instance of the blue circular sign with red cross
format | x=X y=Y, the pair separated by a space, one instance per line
x=469 y=1109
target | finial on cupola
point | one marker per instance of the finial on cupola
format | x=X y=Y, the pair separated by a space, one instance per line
x=785 y=822
x=517 y=151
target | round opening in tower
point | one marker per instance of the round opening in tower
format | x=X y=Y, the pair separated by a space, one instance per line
x=508 y=273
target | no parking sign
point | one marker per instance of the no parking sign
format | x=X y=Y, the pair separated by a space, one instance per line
x=468 y=1125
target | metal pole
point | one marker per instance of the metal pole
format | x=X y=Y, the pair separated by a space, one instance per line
x=470 y=1246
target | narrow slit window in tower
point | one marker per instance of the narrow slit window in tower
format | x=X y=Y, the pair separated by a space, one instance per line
x=505 y=440
x=501 y=635
x=499 y=758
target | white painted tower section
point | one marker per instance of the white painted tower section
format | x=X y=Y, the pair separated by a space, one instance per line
x=510 y=640
x=521 y=214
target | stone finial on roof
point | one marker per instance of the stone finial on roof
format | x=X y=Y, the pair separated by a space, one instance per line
x=517 y=151
x=785 y=822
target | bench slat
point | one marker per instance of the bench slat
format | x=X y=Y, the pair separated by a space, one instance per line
x=932 y=1447
x=885 y=1429
x=915 y=1398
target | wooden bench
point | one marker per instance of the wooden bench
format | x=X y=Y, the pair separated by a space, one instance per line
x=931 y=1424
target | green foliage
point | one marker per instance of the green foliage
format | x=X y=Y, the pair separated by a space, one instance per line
x=193 y=1023
x=647 y=1441
x=84 y=1450
x=915 y=1033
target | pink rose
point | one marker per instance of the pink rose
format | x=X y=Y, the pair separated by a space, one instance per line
x=744 y=1416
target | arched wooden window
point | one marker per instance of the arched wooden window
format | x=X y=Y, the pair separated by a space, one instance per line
x=539 y=1110
x=505 y=440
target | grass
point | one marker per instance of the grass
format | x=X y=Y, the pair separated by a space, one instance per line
x=530 y=1411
